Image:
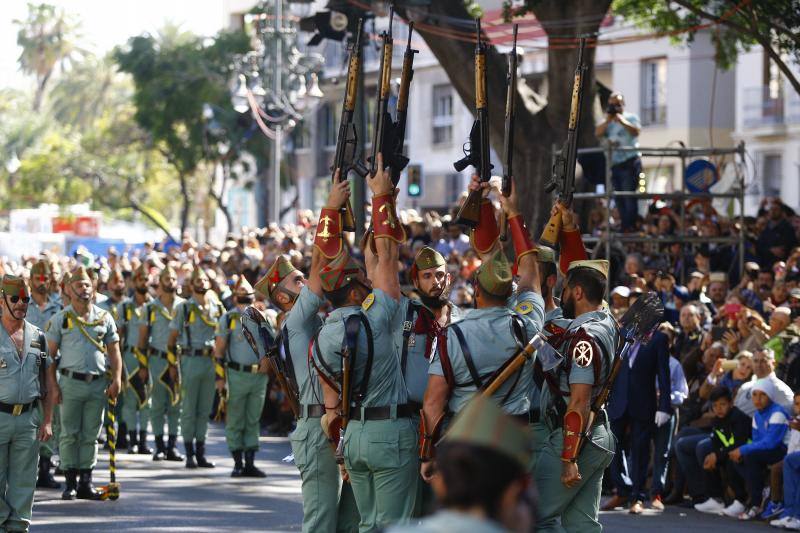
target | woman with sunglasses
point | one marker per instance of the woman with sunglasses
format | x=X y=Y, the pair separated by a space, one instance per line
x=22 y=426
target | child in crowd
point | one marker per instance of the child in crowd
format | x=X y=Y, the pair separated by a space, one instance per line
x=770 y=425
x=790 y=517
x=731 y=429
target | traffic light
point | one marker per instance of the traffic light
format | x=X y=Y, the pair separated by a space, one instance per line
x=414 y=179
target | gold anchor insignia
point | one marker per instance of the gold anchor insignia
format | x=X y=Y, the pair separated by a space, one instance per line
x=389 y=216
x=325 y=233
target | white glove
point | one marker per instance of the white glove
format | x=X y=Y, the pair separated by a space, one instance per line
x=662 y=418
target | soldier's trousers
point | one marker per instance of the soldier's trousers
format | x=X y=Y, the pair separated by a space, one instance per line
x=19 y=458
x=160 y=404
x=197 y=396
x=132 y=414
x=82 y=408
x=540 y=433
x=572 y=509
x=246 y=394
x=328 y=504
x=381 y=458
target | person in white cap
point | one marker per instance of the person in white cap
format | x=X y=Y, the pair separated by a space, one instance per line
x=764 y=368
x=620 y=301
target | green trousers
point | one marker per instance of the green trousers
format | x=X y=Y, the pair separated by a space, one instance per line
x=82 y=408
x=540 y=433
x=328 y=504
x=246 y=394
x=19 y=459
x=381 y=458
x=572 y=509
x=48 y=449
x=197 y=392
x=132 y=415
x=161 y=408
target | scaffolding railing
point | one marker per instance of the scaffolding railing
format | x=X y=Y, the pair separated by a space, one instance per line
x=736 y=192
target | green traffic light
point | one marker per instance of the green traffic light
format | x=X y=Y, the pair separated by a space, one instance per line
x=413 y=189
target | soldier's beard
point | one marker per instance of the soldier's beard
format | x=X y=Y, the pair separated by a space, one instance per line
x=433 y=302
x=41 y=289
x=141 y=290
x=168 y=289
x=118 y=292
x=568 y=307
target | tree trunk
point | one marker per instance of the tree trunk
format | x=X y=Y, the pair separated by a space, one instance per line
x=187 y=202
x=537 y=127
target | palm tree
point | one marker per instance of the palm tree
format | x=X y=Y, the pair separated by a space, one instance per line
x=47 y=38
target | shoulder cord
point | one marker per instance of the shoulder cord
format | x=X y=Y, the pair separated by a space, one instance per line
x=81 y=323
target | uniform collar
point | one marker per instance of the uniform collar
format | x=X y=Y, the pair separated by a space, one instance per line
x=340 y=313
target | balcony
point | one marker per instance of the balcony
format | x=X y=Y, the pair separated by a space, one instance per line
x=763 y=107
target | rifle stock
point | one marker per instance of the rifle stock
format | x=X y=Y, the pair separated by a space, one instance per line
x=563 y=177
x=508 y=137
x=291 y=392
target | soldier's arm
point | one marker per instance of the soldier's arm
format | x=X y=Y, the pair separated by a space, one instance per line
x=328 y=239
x=526 y=263
x=115 y=362
x=172 y=340
x=220 y=345
x=143 y=341
x=570 y=241
x=484 y=236
x=434 y=404
x=388 y=232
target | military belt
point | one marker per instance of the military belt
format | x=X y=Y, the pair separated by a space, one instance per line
x=157 y=353
x=415 y=407
x=314 y=410
x=80 y=376
x=250 y=369
x=199 y=352
x=16 y=409
x=381 y=413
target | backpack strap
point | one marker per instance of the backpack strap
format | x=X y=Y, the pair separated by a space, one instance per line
x=352 y=326
x=408 y=328
x=473 y=371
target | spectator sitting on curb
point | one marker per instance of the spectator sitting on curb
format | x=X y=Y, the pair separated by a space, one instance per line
x=764 y=368
x=790 y=515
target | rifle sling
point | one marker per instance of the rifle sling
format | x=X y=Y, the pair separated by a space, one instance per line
x=408 y=328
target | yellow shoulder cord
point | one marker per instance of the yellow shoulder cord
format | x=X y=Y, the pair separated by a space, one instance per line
x=82 y=328
x=206 y=321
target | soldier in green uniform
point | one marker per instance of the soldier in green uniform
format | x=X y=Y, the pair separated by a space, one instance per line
x=130 y=317
x=326 y=507
x=192 y=332
x=417 y=326
x=243 y=337
x=473 y=350
x=152 y=342
x=379 y=445
x=482 y=480
x=569 y=472
x=110 y=303
x=23 y=359
x=40 y=310
x=85 y=335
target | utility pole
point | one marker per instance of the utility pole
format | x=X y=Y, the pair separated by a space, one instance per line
x=277 y=81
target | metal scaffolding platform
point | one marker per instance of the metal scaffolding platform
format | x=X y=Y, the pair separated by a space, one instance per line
x=682 y=197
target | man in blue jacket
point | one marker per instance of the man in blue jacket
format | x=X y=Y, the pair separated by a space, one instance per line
x=633 y=408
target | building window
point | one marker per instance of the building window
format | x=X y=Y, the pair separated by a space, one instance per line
x=453 y=188
x=301 y=136
x=327 y=123
x=772 y=174
x=442 y=114
x=654 y=92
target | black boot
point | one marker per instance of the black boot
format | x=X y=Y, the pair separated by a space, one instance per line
x=200 y=453
x=71 y=490
x=160 y=452
x=132 y=448
x=143 y=449
x=250 y=468
x=86 y=490
x=122 y=437
x=189 y=454
x=46 y=479
x=172 y=451
x=237 y=463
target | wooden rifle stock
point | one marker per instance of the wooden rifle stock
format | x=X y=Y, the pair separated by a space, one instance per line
x=522 y=356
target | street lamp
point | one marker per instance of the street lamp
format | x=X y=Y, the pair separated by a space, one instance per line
x=276 y=81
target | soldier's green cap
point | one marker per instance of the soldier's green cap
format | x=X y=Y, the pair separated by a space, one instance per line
x=14 y=286
x=427 y=257
x=116 y=274
x=167 y=271
x=242 y=286
x=141 y=272
x=80 y=274
x=339 y=272
x=545 y=254
x=281 y=268
x=494 y=275
x=198 y=273
x=41 y=268
x=600 y=265
x=483 y=423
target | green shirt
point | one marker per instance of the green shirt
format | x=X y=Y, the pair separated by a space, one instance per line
x=19 y=378
x=489 y=334
x=131 y=318
x=230 y=327
x=385 y=386
x=82 y=343
x=299 y=326
x=39 y=316
x=196 y=327
x=159 y=318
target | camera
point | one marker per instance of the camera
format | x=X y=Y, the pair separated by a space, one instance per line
x=614 y=109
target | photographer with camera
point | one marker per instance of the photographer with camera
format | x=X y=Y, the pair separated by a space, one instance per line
x=622 y=129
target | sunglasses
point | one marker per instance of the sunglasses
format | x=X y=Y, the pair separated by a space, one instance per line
x=14 y=299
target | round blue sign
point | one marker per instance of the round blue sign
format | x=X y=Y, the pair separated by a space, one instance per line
x=701 y=174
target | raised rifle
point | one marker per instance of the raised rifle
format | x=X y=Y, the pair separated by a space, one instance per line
x=397 y=160
x=508 y=138
x=347 y=139
x=383 y=121
x=563 y=178
x=344 y=406
x=478 y=153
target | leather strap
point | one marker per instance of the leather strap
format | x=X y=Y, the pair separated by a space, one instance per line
x=408 y=329
x=473 y=371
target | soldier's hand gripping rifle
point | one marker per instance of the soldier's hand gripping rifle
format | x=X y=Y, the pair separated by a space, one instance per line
x=382 y=136
x=508 y=138
x=347 y=139
x=563 y=178
x=478 y=153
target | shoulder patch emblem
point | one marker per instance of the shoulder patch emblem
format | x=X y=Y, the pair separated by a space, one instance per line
x=583 y=353
x=367 y=303
x=524 y=308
